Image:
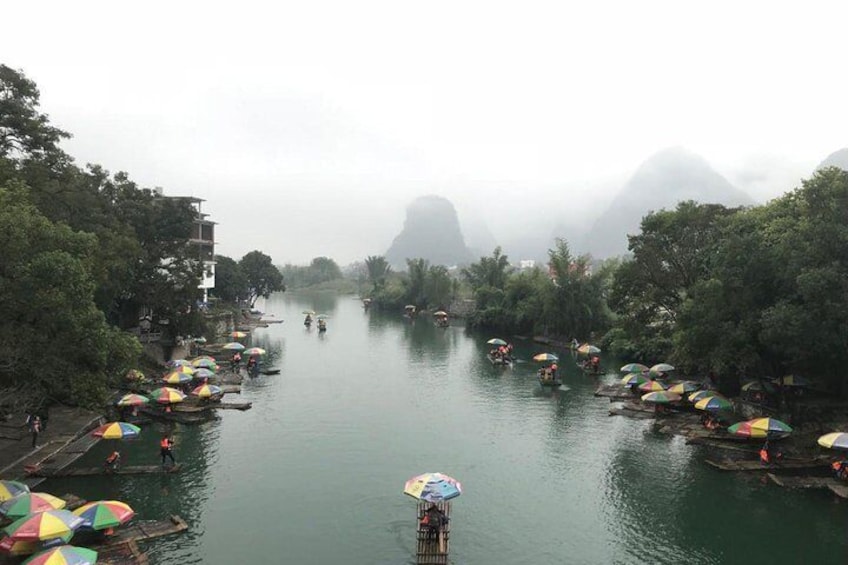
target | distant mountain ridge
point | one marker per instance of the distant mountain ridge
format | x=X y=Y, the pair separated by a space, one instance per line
x=666 y=178
x=431 y=231
x=836 y=159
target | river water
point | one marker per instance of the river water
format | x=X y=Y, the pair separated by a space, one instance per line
x=314 y=472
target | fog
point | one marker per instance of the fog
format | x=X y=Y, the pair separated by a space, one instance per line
x=309 y=126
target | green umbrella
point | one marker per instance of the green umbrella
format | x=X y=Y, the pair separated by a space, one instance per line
x=634 y=368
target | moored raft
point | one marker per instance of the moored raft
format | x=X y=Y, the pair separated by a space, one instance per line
x=839 y=488
x=92 y=471
x=499 y=360
x=432 y=551
x=748 y=465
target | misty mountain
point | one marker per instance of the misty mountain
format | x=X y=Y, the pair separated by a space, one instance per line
x=478 y=236
x=666 y=178
x=431 y=231
x=836 y=159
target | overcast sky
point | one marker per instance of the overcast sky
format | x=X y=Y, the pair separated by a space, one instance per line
x=308 y=126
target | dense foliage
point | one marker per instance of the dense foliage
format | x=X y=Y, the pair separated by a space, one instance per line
x=320 y=270
x=425 y=286
x=244 y=281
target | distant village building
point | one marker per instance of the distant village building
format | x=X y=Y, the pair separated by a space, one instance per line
x=526 y=264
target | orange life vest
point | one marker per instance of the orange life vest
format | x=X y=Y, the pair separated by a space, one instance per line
x=836 y=466
x=165 y=443
x=114 y=457
x=764 y=456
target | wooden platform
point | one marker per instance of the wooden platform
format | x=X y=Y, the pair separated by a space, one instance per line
x=743 y=466
x=181 y=417
x=127 y=553
x=839 y=488
x=615 y=392
x=551 y=383
x=92 y=471
x=433 y=551
x=143 y=530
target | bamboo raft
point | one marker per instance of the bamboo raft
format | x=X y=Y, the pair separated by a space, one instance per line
x=839 y=488
x=143 y=530
x=127 y=553
x=741 y=466
x=614 y=392
x=181 y=417
x=203 y=408
x=550 y=382
x=433 y=551
x=92 y=471
x=496 y=361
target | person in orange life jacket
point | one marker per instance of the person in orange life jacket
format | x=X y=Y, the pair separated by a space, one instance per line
x=112 y=462
x=596 y=363
x=554 y=370
x=433 y=519
x=840 y=469
x=236 y=363
x=165 y=445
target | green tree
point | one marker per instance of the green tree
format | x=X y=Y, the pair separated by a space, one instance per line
x=24 y=131
x=230 y=281
x=263 y=277
x=488 y=271
x=378 y=270
x=416 y=279
x=438 y=287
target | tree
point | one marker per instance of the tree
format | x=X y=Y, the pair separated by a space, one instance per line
x=263 y=277
x=438 y=286
x=378 y=270
x=488 y=271
x=416 y=279
x=230 y=281
x=24 y=131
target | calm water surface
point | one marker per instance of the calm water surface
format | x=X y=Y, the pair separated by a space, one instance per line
x=313 y=474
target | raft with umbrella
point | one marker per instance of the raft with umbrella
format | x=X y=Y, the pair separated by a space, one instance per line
x=761 y=428
x=433 y=489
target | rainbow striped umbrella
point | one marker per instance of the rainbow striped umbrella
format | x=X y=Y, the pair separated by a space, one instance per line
x=104 y=514
x=234 y=346
x=432 y=487
x=713 y=403
x=684 y=387
x=587 y=349
x=254 y=351
x=634 y=379
x=117 y=430
x=661 y=397
x=700 y=395
x=542 y=357
x=178 y=363
x=834 y=440
x=634 y=368
x=203 y=374
x=238 y=335
x=132 y=400
x=11 y=489
x=761 y=428
x=46 y=525
x=186 y=369
x=660 y=369
x=177 y=378
x=496 y=341
x=204 y=364
x=207 y=391
x=651 y=386
x=64 y=555
x=30 y=503
x=764 y=386
x=167 y=395
x=13 y=547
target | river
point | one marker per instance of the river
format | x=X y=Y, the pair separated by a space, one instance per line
x=314 y=472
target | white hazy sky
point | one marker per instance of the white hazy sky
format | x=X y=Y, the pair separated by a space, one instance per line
x=308 y=126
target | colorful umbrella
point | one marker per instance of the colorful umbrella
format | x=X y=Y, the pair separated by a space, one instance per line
x=661 y=397
x=178 y=363
x=713 y=403
x=834 y=440
x=764 y=386
x=660 y=368
x=30 y=503
x=203 y=374
x=207 y=391
x=117 y=430
x=185 y=369
x=587 y=349
x=761 y=428
x=545 y=357
x=634 y=379
x=238 y=335
x=64 y=555
x=440 y=313
x=651 y=386
x=104 y=514
x=44 y=526
x=234 y=346
x=634 y=368
x=132 y=400
x=167 y=395
x=204 y=364
x=11 y=489
x=322 y=317
x=432 y=487
x=177 y=378
x=13 y=547
x=254 y=351
x=792 y=380
x=496 y=341
x=309 y=312
x=684 y=387
x=701 y=394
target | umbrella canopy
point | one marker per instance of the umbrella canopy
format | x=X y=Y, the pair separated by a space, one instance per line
x=234 y=346
x=542 y=357
x=104 y=514
x=203 y=374
x=764 y=386
x=185 y=369
x=587 y=349
x=835 y=440
x=11 y=489
x=496 y=341
x=309 y=312
x=64 y=555
x=432 y=487
x=207 y=391
x=761 y=428
x=792 y=380
x=43 y=526
x=177 y=378
x=409 y=307
x=255 y=351
x=167 y=395
x=204 y=364
x=30 y=503
x=178 y=363
x=661 y=397
x=117 y=430
x=634 y=379
x=713 y=403
x=660 y=368
x=440 y=313
x=238 y=335
x=132 y=400
x=634 y=368
x=684 y=387
x=700 y=395
x=322 y=317
x=651 y=386
x=13 y=547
